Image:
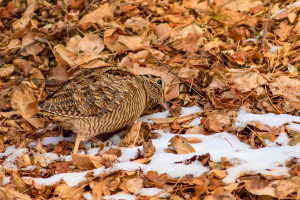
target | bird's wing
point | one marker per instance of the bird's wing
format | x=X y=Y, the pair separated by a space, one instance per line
x=92 y=93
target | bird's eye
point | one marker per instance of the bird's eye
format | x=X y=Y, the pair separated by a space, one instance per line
x=159 y=82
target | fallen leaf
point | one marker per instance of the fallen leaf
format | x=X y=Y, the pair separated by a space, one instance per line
x=86 y=48
x=245 y=80
x=220 y=174
x=188 y=39
x=283 y=31
x=278 y=188
x=21 y=100
x=157 y=180
x=148 y=149
x=65 y=191
x=7 y=193
x=135 y=184
x=30 y=46
x=7 y=70
x=181 y=145
x=136 y=134
x=18 y=182
x=241 y=5
x=82 y=161
x=98 y=16
x=175 y=110
x=162 y=31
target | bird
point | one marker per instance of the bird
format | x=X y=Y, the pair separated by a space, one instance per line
x=101 y=100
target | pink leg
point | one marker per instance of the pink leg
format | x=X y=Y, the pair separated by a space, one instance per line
x=76 y=147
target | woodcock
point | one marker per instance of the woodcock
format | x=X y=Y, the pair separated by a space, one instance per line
x=101 y=100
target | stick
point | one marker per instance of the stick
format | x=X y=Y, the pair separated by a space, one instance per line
x=266 y=27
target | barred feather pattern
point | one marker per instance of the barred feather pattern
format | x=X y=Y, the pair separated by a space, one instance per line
x=101 y=100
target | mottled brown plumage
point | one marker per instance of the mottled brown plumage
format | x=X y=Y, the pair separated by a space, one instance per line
x=101 y=100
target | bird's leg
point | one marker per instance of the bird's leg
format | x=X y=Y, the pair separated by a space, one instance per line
x=77 y=143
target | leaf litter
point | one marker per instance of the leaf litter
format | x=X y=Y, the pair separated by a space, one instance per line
x=243 y=141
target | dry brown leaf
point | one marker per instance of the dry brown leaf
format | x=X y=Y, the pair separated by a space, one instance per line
x=135 y=184
x=241 y=5
x=98 y=16
x=188 y=39
x=7 y=70
x=108 y=159
x=220 y=174
x=99 y=190
x=136 y=134
x=163 y=31
x=195 y=130
x=30 y=46
x=133 y=42
x=60 y=73
x=220 y=193
x=111 y=41
x=181 y=145
x=40 y=148
x=82 y=161
x=219 y=121
x=65 y=191
x=137 y=24
x=245 y=80
x=86 y=48
x=175 y=197
x=148 y=149
x=97 y=161
x=24 y=101
x=283 y=31
x=10 y=194
x=64 y=56
x=18 y=182
x=277 y=188
x=285 y=86
x=175 y=110
x=194 y=140
x=157 y=180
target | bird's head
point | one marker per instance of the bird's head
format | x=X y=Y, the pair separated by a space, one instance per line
x=155 y=87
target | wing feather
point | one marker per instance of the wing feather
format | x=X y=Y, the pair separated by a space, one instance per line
x=92 y=92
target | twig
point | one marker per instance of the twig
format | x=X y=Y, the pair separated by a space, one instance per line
x=160 y=195
x=271 y=100
x=266 y=27
x=263 y=142
x=41 y=81
x=181 y=79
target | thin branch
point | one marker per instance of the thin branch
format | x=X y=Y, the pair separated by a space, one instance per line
x=271 y=100
x=266 y=27
x=41 y=81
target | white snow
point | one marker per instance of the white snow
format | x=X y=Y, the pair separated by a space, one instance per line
x=120 y=196
x=195 y=122
x=294 y=127
x=88 y=196
x=190 y=110
x=269 y=119
x=10 y=161
x=147 y=118
x=71 y=179
x=150 y=191
x=6 y=180
x=288 y=8
x=273 y=48
x=8 y=151
x=165 y=114
x=269 y=160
